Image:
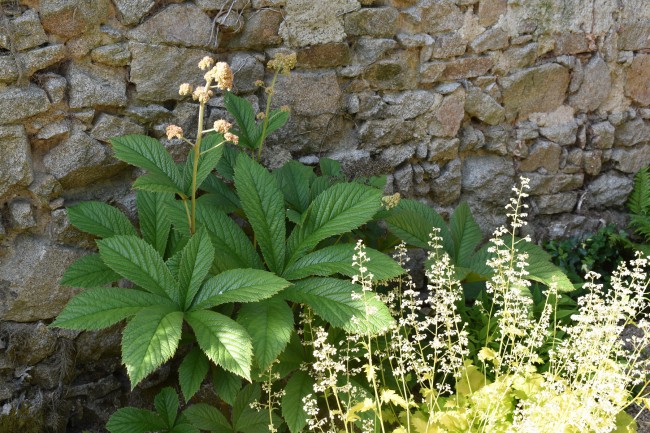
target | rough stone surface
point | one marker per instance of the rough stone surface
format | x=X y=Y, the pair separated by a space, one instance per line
x=556 y=203
x=634 y=35
x=607 y=190
x=544 y=155
x=446 y=119
x=538 y=89
x=378 y=22
x=157 y=71
x=310 y=23
x=26 y=32
x=68 y=18
x=131 y=11
x=298 y=92
x=29 y=280
x=17 y=103
x=16 y=161
x=638 y=79
x=484 y=107
x=96 y=85
x=107 y=127
x=595 y=88
x=178 y=24
x=489 y=11
x=80 y=160
x=493 y=39
x=633 y=132
x=602 y=135
x=631 y=160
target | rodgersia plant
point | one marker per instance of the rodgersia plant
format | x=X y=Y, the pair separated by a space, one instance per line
x=224 y=253
x=422 y=376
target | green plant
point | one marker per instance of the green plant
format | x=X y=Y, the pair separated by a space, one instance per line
x=639 y=203
x=422 y=375
x=229 y=255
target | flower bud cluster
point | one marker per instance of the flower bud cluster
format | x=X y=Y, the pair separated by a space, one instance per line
x=283 y=63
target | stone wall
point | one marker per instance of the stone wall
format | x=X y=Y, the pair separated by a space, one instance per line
x=453 y=98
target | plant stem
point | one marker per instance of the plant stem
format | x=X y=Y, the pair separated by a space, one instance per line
x=265 y=124
x=195 y=165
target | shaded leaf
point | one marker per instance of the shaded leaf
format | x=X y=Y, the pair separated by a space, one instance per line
x=270 y=324
x=88 y=271
x=100 y=219
x=195 y=262
x=413 y=222
x=207 y=417
x=166 y=403
x=226 y=384
x=192 y=371
x=133 y=420
x=299 y=386
x=154 y=224
x=465 y=233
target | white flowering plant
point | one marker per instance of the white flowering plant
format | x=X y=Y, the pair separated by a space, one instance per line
x=421 y=375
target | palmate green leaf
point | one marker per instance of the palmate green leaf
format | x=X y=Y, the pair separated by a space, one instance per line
x=294 y=180
x=337 y=259
x=154 y=224
x=102 y=307
x=150 y=339
x=238 y=285
x=243 y=112
x=196 y=260
x=133 y=420
x=465 y=233
x=100 y=219
x=223 y=340
x=148 y=153
x=226 y=384
x=270 y=324
x=192 y=371
x=333 y=300
x=413 y=222
x=166 y=403
x=246 y=419
x=263 y=204
x=339 y=209
x=136 y=260
x=207 y=417
x=232 y=247
x=184 y=425
x=299 y=386
x=88 y=271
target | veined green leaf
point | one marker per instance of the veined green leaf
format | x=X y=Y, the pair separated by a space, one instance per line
x=154 y=224
x=639 y=200
x=196 y=260
x=263 y=204
x=100 y=219
x=183 y=425
x=330 y=167
x=220 y=195
x=208 y=417
x=246 y=419
x=242 y=111
x=339 y=209
x=413 y=222
x=223 y=340
x=340 y=303
x=238 y=285
x=294 y=180
x=541 y=269
x=277 y=119
x=192 y=371
x=154 y=182
x=270 y=324
x=136 y=260
x=465 y=233
x=337 y=259
x=102 y=307
x=226 y=166
x=293 y=408
x=232 y=247
x=150 y=339
x=88 y=271
x=148 y=153
x=226 y=384
x=166 y=403
x=133 y=420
